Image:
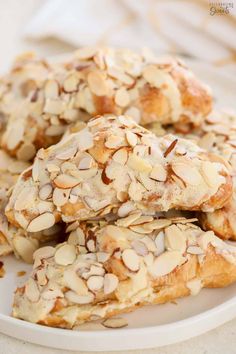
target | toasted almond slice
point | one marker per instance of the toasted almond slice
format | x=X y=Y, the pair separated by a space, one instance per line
x=114 y=141
x=139 y=247
x=207 y=141
x=138 y=164
x=125 y=209
x=60 y=196
x=26 y=198
x=71 y=83
x=139 y=229
x=85 y=140
x=158 y=173
x=125 y=222
x=15 y=135
x=51 y=89
x=79 y=299
x=65 y=254
x=45 y=191
x=122 y=98
x=44 y=252
x=25 y=247
x=95 y=282
x=157 y=224
x=117 y=322
x=210 y=174
x=54 y=106
x=42 y=222
x=102 y=257
x=134 y=113
x=189 y=174
x=110 y=283
x=131 y=138
x=165 y=263
x=175 y=239
x=143 y=219
x=64 y=181
x=32 y=291
x=194 y=285
x=130 y=259
x=67 y=153
x=160 y=243
x=97 y=83
x=86 y=163
x=52 y=293
x=120 y=156
x=74 y=282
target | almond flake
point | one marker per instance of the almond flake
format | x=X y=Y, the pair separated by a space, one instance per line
x=54 y=106
x=45 y=191
x=32 y=291
x=25 y=247
x=160 y=243
x=60 y=196
x=138 y=164
x=194 y=285
x=25 y=198
x=65 y=254
x=175 y=239
x=131 y=138
x=26 y=152
x=85 y=163
x=110 y=283
x=117 y=322
x=166 y=263
x=51 y=89
x=157 y=224
x=122 y=98
x=66 y=181
x=131 y=259
x=170 y=148
x=139 y=229
x=189 y=174
x=158 y=173
x=71 y=83
x=97 y=83
x=120 y=156
x=44 y=252
x=95 y=282
x=125 y=222
x=79 y=299
x=85 y=52
x=85 y=140
x=67 y=154
x=210 y=174
x=75 y=283
x=42 y=222
x=134 y=113
x=139 y=247
x=114 y=141
x=102 y=257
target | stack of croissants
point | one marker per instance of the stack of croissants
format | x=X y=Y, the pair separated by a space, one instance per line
x=117 y=184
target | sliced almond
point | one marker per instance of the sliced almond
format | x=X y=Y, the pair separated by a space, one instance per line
x=97 y=83
x=54 y=106
x=110 y=283
x=195 y=250
x=42 y=222
x=79 y=299
x=65 y=181
x=166 y=263
x=85 y=52
x=85 y=140
x=60 y=196
x=26 y=198
x=44 y=252
x=102 y=257
x=139 y=247
x=131 y=138
x=71 y=83
x=120 y=156
x=122 y=98
x=45 y=191
x=138 y=164
x=65 y=255
x=26 y=152
x=95 y=282
x=189 y=174
x=157 y=224
x=160 y=243
x=210 y=174
x=32 y=291
x=115 y=323
x=175 y=239
x=131 y=260
x=67 y=153
x=74 y=282
x=125 y=222
x=51 y=89
x=158 y=173
x=25 y=247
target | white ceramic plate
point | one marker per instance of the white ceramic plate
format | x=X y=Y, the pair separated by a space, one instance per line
x=152 y=326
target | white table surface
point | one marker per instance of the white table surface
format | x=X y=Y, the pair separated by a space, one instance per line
x=14 y=14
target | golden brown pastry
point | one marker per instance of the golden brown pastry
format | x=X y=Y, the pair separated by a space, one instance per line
x=116 y=268
x=40 y=100
x=116 y=165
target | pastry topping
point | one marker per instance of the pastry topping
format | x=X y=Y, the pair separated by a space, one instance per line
x=175 y=239
x=115 y=322
x=110 y=283
x=65 y=254
x=170 y=148
x=79 y=299
x=158 y=173
x=42 y=222
x=95 y=282
x=32 y=291
x=66 y=181
x=166 y=263
x=131 y=259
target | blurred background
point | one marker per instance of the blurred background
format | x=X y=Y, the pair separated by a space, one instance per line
x=199 y=30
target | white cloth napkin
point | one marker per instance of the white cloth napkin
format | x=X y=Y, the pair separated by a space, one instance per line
x=177 y=26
